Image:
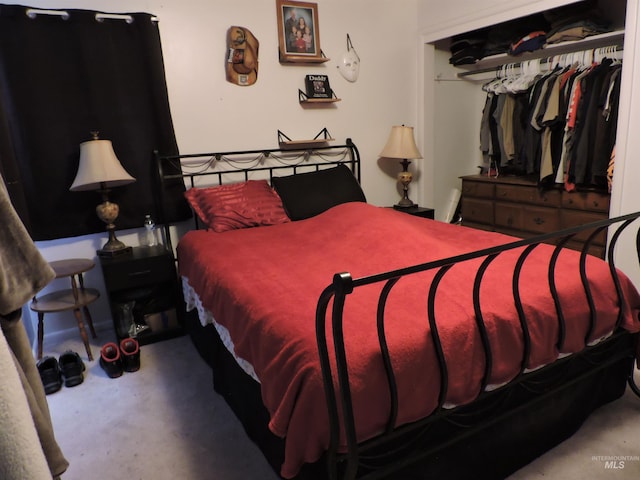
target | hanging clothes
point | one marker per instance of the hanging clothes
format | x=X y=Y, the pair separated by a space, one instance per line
x=558 y=128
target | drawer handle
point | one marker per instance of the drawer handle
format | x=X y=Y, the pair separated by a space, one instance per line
x=141 y=273
x=538 y=221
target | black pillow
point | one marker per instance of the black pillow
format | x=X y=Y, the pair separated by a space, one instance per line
x=307 y=194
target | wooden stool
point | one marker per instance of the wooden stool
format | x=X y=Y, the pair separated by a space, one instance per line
x=76 y=298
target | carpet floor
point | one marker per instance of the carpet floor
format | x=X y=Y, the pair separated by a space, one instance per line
x=166 y=422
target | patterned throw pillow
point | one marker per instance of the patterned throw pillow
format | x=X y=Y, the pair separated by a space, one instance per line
x=239 y=205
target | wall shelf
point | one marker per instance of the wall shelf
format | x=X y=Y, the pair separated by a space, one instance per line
x=292 y=59
x=490 y=64
x=304 y=98
x=322 y=137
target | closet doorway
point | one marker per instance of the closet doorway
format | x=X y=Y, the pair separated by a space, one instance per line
x=454 y=101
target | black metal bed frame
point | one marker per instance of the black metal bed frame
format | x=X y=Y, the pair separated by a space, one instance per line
x=357 y=460
x=364 y=460
x=270 y=162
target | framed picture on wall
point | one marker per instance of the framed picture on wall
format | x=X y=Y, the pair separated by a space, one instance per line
x=299 y=32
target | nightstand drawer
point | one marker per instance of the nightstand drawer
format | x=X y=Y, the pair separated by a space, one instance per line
x=138 y=273
x=146 y=279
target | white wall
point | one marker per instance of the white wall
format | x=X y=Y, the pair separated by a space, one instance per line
x=211 y=114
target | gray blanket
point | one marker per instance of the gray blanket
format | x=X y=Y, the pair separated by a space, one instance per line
x=23 y=271
x=28 y=448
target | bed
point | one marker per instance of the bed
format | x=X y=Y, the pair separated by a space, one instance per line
x=355 y=341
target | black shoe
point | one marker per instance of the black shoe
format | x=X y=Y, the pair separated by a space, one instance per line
x=71 y=366
x=110 y=360
x=130 y=354
x=50 y=374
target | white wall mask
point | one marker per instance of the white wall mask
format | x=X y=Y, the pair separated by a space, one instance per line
x=349 y=65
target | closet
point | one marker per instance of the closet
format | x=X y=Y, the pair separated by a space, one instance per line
x=454 y=103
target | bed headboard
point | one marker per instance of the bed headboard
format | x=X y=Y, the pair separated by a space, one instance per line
x=219 y=168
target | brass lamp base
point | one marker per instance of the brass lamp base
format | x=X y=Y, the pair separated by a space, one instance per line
x=113 y=247
x=108 y=212
x=405 y=203
x=405 y=177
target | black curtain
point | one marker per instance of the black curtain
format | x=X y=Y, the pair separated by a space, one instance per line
x=62 y=77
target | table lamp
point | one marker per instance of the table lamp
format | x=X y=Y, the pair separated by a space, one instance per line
x=99 y=169
x=402 y=145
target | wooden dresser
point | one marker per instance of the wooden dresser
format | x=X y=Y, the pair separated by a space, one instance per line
x=517 y=207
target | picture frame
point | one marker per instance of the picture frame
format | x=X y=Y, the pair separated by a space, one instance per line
x=299 y=32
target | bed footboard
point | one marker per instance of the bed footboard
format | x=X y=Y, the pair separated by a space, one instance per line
x=371 y=459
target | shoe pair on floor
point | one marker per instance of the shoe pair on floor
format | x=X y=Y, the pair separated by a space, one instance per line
x=69 y=367
x=115 y=360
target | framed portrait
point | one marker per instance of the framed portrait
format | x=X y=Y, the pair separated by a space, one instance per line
x=299 y=32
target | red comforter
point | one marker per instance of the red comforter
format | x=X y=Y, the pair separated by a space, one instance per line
x=263 y=284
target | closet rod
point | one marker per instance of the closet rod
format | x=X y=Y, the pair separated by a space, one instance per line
x=490 y=69
x=514 y=64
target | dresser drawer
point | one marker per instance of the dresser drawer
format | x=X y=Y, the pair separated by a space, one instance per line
x=573 y=218
x=509 y=193
x=527 y=218
x=540 y=219
x=477 y=189
x=522 y=209
x=532 y=195
x=509 y=216
x=548 y=198
x=476 y=210
x=594 y=201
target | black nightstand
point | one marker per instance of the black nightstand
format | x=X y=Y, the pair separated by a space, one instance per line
x=144 y=282
x=418 y=211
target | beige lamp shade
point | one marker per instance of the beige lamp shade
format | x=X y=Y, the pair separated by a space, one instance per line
x=99 y=167
x=401 y=144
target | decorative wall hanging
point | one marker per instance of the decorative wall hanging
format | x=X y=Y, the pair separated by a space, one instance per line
x=298 y=32
x=242 y=56
x=349 y=65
